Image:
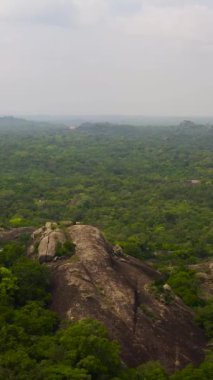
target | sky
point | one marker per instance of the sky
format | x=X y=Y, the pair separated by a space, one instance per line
x=132 y=57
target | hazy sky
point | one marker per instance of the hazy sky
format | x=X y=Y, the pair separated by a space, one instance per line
x=147 y=57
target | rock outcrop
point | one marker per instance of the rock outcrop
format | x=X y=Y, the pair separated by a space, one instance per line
x=119 y=291
x=204 y=271
x=47 y=239
x=101 y=282
x=14 y=233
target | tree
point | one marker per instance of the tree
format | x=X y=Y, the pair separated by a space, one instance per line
x=8 y=286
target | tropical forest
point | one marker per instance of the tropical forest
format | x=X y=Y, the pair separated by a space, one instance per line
x=106 y=244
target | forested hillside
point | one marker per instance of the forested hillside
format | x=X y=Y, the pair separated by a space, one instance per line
x=150 y=185
x=149 y=189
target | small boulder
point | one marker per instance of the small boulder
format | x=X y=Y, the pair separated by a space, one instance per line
x=48 y=245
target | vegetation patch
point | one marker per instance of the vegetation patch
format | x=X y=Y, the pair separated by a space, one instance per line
x=149 y=188
x=186 y=285
x=148 y=311
x=67 y=249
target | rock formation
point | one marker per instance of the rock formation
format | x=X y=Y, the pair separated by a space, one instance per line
x=204 y=271
x=14 y=233
x=101 y=282
x=119 y=291
x=47 y=239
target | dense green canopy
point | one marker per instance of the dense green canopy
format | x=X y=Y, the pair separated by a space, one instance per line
x=149 y=189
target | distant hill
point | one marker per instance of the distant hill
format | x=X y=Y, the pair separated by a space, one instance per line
x=137 y=120
x=10 y=124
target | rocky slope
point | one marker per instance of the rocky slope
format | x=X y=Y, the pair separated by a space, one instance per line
x=99 y=281
x=14 y=233
x=204 y=272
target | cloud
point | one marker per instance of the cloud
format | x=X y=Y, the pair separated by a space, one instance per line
x=90 y=11
x=73 y=56
x=58 y=12
x=124 y=6
x=172 y=18
x=191 y=22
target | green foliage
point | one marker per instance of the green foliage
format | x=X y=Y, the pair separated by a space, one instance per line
x=80 y=351
x=204 y=372
x=148 y=371
x=31 y=345
x=8 y=286
x=204 y=317
x=33 y=282
x=152 y=371
x=35 y=320
x=63 y=372
x=10 y=253
x=133 y=183
x=16 y=364
x=89 y=348
x=66 y=249
x=186 y=285
x=17 y=221
x=148 y=312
